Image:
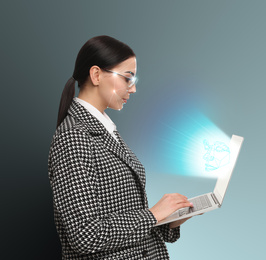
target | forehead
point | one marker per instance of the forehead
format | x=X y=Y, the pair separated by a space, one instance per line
x=128 y=65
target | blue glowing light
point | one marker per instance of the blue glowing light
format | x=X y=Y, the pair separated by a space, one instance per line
x=179 y=143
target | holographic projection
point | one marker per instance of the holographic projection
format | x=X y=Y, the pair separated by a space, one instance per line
x=217 y=155
x=189 y=144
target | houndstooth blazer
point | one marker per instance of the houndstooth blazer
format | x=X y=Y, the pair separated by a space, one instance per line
x=100 y=204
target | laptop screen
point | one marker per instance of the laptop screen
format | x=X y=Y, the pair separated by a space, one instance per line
x=225 y=172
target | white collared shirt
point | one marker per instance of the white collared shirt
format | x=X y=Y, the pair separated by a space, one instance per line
x=102 y=117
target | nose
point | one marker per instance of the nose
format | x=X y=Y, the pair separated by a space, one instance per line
x=132 y=89
x=208 y=156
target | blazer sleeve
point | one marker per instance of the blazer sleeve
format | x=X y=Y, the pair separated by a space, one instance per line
x=168 y=234
x=73 y=182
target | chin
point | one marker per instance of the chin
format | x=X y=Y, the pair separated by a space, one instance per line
x=118 y=108
x=116 y=104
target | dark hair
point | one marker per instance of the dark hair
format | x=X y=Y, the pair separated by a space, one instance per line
x=103 y=51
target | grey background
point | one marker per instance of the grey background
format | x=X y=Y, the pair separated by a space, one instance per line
x=217 y=45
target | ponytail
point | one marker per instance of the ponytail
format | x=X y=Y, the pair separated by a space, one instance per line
x=66 y=100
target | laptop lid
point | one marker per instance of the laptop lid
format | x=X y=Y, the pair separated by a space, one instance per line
x=226 y=171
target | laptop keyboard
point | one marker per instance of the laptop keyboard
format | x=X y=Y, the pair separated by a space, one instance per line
x=199 y=203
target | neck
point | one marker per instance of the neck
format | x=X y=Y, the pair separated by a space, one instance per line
x=89 y=94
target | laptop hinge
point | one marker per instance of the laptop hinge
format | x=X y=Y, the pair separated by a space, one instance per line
x=215 y=199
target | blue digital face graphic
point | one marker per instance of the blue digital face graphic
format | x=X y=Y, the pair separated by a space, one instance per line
x=216 y=156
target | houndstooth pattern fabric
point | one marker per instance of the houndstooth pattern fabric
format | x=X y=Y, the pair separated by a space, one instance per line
x=100 y=204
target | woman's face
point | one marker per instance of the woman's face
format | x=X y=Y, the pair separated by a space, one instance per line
x=114 y=88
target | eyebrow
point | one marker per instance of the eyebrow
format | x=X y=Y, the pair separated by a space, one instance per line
x=130 y=73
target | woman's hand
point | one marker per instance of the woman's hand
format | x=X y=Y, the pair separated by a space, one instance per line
x=178 y=222
x=168 y=204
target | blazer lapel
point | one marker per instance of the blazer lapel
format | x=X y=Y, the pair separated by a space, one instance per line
x=116 y=148
x=102 y=136
x=121 y=150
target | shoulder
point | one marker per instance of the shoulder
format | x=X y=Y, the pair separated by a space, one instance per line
x=71 y=138
x=70 y=128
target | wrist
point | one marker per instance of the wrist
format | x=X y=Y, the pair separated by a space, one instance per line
x=154 y=215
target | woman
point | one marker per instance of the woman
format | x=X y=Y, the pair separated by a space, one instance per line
x=100 y=204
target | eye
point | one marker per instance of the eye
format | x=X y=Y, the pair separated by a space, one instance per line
x=219 y=149
x=128 y=80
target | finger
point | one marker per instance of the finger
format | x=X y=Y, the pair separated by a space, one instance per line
x=184 y=204
x=183 y=200
x=177 y=195
x=182 y=196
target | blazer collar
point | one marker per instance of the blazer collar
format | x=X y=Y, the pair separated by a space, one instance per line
x=81 y=114
x=101 y=135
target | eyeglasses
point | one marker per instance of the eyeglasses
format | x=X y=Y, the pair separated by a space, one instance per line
x=130 y=80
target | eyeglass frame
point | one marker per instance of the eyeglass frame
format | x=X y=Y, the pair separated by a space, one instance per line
x=133 y=79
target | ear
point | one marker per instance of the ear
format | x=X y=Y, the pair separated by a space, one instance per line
x=95 y=75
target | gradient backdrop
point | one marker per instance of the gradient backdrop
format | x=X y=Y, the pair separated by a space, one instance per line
x=200 y=64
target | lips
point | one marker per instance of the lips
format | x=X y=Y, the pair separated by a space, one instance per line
x=209 y=167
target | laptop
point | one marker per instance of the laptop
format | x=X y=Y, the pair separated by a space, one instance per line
x=211 y=200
